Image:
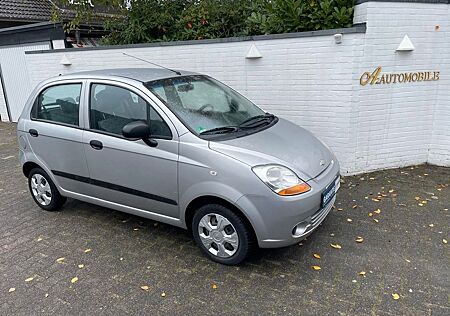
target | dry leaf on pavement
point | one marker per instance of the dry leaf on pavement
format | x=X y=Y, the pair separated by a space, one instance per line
x=395 y=296
x=316 y=268
x=359 y=239
x=145 y=288
x=60 y=260
x=74 y=280
x=317 y=256
x=214 y=286
x=11 y=290
x=336 y=246
x=29 y=279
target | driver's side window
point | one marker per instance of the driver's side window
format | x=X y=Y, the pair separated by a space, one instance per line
x=113 y=107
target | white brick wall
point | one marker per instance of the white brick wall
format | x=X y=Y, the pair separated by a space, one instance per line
x=315 y=83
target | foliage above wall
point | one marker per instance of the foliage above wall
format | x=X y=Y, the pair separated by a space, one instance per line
x=170 y=20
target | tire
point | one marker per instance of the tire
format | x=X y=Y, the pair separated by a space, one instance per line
x=215 y=228
x=44 y=191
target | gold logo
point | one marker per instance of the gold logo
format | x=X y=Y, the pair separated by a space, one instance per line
x=376 y=77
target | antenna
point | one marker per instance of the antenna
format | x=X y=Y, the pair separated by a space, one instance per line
x=149 y=62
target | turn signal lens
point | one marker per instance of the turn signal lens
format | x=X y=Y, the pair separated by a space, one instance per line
x=296 y=189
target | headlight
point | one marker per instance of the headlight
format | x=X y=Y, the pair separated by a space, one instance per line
x=281 y=179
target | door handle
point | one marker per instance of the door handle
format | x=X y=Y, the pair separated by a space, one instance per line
x=33 y=132
x=96 y=144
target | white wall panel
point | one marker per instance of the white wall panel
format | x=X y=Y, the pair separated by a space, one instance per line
x=16 y=78
x=314 y=82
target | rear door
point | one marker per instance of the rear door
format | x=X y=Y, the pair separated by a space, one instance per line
x=55 y=135
x=129 y=172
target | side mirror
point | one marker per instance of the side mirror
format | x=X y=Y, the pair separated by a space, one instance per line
x=136 y=129
x=139 y=130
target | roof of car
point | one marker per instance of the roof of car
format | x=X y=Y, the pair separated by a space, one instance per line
x=139 y=74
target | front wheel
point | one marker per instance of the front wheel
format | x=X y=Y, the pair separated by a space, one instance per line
x=222 y=235
x=44 y=191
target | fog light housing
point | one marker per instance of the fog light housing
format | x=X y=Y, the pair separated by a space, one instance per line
x=300 y=229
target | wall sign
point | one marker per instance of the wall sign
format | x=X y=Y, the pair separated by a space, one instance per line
x=376 y=77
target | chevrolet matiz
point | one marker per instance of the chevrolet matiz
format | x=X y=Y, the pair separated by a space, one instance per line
x=180 y=148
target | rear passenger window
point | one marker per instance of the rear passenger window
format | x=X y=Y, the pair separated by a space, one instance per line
x=59 y=104
x=113 y=107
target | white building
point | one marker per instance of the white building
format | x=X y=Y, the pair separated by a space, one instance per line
x=377 y=93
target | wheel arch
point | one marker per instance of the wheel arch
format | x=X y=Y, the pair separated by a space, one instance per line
x=28 y=166
x=211 y=199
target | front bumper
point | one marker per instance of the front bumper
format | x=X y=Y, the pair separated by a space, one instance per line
x=274 y=218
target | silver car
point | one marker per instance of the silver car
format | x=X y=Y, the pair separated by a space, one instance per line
x=180 y=148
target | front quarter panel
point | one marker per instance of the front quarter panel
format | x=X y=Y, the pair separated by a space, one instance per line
x=210 y=173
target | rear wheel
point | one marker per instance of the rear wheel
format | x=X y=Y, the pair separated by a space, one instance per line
x=44 y=191
x=221 y=234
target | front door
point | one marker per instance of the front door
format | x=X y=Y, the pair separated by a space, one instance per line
x=129 y=172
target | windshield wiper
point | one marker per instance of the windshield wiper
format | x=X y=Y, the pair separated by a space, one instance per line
x=257 y=120
x=220 y=130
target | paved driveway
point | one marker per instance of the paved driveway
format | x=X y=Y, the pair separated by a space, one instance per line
x=113 y=255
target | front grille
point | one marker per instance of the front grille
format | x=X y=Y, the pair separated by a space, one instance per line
x=318 y=217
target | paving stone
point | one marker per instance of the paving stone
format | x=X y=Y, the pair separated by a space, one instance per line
x=400 y=254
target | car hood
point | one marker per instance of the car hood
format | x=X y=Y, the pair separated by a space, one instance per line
x=283 y=143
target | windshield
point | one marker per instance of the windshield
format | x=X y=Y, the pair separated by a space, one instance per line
x=203 y=103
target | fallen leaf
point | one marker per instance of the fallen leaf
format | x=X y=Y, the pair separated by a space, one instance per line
x=88 y=250
x=11 y=290
x=417 y=198
x=136 y=229
x=359 y=239
x=74 y=280
x=60 y=260
x=431 y=225
x=46 y=295
x=317 y=256
x=372 y=178
x=377 y=211
x=39 y=239
x=363 y=273
x=340 y=209
x=370 y=214
x=336 y=246
x=375 y=220
x=145 y=288
x=390 y=191
x=316 y=268
x=29 y=279
x=420 y=204
x=376 y=200
x=445 y=241
x=81 y=266
x=163 y=294
x=395 y=296
x=349 y=220
x=355 y=206
x=214 y=286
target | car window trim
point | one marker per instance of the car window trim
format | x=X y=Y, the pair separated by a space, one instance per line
x=89 y=89
x=34 y=107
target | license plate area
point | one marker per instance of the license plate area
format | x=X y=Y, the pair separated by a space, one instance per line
x=330 y=191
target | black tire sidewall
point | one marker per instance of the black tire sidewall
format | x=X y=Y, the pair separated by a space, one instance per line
x=242 y=229
x=57 y=200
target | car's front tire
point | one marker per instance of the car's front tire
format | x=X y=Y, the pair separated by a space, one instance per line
x=222 y=235
x=44 y=191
